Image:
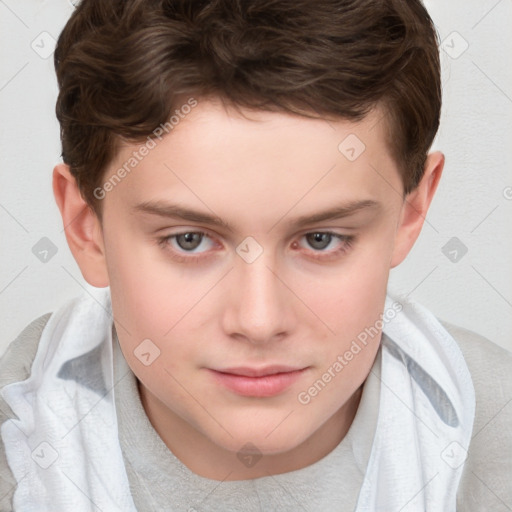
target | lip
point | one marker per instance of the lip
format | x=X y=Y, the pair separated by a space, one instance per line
x=258 y=382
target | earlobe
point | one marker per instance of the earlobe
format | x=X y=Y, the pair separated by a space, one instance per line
x=415 y=208
x=82 y=227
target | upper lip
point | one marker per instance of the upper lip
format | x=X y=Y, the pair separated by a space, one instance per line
x=246 y=371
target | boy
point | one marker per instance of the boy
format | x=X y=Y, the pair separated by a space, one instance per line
x=238 y=180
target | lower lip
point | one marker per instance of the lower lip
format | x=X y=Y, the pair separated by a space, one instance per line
x=265 y=386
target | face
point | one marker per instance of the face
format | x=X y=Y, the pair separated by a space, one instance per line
x=245 y=255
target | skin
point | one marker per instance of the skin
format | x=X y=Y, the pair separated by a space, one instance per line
x=258 y=173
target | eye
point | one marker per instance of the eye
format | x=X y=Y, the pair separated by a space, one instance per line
x=319 y=240
x=322 y=240
x=188 y=242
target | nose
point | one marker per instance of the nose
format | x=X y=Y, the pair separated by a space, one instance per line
x=259 y=305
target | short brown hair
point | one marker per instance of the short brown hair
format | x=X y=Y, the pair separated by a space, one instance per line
x=122 y=65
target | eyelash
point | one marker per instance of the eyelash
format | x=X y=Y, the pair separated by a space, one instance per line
x=347 y=244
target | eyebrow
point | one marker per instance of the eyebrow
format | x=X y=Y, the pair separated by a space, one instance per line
x=176 y=211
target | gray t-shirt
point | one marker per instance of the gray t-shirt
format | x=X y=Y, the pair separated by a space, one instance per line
x=160 y=481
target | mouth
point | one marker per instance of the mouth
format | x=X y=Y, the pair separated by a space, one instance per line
x=258 y=382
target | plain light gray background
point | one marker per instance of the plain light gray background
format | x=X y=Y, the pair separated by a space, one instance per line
x=473 y=203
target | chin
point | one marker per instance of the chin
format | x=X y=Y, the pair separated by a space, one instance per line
x=263 y=441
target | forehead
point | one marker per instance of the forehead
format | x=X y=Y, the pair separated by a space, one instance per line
x=218 y=158
x=213 y=124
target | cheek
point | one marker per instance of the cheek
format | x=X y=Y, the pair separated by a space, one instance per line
x=351 y=296
x=350 y=301
x=351 y=305
x=152 y=299
x=149 y=293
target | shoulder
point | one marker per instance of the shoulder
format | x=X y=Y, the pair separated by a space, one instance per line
x=20 y=353
x=474 y=345
x=15 y=365
x=491 y=371
x=485 y=483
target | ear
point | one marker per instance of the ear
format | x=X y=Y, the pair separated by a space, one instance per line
x=82 y=227
x=415 y=207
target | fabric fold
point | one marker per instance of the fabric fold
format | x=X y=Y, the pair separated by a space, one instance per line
x=426 y=415
x=63 y=448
